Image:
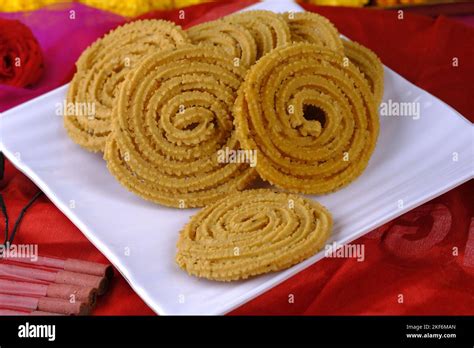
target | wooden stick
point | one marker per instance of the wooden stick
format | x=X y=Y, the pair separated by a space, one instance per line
x=45 y=304
x=30 y=274
x=87 y=295
x=4 y=312
x=71 y=265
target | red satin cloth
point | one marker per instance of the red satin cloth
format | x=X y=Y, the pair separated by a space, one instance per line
x=422 y=263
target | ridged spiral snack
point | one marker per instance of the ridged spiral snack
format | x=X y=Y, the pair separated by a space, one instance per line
x=313 y=28
x=312 y=121
x=268 y=29
x=369 y=64
x=101 y=70
x=233 y=38
x=251 y=233
x=172 y=117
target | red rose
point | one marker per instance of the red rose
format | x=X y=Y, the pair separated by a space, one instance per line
x=21 y=60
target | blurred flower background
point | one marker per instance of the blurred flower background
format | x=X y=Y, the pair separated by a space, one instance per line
x=131 y=8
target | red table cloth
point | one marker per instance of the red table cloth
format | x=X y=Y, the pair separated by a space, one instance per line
x=421 y=263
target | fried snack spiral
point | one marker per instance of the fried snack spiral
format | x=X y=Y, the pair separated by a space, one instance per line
x=235 y=39
x=369 y=64
x=172 y=117
x=268 y=29
x=312 y=120
x=101 y=70
x=251 y=233
x=313 y=28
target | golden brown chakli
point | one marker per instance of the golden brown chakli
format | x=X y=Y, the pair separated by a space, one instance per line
x=251 y=233
x=102 y=68
x=172 y=117
x=313 y=28
x=284 y=90
x=312 y=120
x=267 y=28
x=233 y=38
x=369 y=64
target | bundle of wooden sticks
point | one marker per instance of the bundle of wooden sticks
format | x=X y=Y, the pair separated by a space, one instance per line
x=51 y=286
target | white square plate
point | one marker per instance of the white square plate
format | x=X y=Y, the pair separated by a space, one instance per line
x=415 y=160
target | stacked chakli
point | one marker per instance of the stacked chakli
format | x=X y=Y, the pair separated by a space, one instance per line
x=285 y=87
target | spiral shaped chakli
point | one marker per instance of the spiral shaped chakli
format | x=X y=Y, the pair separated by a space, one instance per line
x=235 y=39
x=250 y=233
x=101 y=70
x=313 y=28
x=267 y=28
x=311 y=119
x=369 y=64
x=173 y=117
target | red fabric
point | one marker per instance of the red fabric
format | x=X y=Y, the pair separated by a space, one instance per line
x=411 y=256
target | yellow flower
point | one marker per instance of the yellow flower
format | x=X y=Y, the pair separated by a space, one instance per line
x=25 y=5
x=128 y=8
x=354 y=3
